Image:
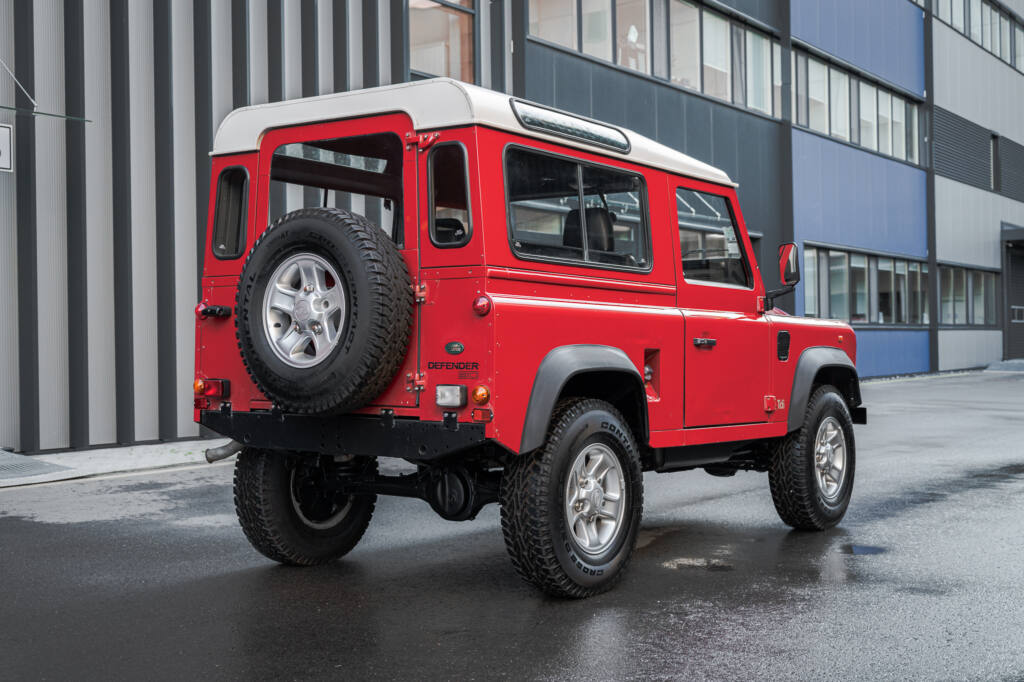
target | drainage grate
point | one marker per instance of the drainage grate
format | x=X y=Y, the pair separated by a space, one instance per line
x=19 y=466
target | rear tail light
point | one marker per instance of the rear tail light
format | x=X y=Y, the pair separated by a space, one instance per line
x=482 y=305
x=212 y=388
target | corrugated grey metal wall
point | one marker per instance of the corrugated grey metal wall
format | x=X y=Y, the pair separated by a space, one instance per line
x=961 y=150
x=156 y=77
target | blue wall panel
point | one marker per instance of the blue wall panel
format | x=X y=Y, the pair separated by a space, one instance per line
x=883 y=352
x=883 y=37
x=849 y=197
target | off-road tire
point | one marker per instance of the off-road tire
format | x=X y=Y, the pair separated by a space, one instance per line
x=791 y=476
x=533 y=494
x=379 y=297
x=268 y=518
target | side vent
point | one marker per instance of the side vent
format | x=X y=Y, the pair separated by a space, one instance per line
x=783 y=345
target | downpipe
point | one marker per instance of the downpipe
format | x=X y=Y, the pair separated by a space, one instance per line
x=223 y=452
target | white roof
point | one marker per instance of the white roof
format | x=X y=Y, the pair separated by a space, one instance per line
x=434 y=103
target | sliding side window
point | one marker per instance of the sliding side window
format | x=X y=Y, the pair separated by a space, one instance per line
x=563 y=210
x=709 y=240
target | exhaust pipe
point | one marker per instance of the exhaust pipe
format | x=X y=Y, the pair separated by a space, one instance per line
x=223 y=452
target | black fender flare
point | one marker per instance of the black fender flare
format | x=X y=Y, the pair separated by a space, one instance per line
x=556 y=369
x=812 y=360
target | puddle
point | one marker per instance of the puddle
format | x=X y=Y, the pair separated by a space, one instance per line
x=862 y=549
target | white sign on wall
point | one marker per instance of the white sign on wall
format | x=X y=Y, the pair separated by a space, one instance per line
x=6 y=148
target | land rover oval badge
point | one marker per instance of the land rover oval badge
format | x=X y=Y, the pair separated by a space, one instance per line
x=454 y=348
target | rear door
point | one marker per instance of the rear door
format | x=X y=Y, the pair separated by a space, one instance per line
x=726 y=342
x=372 y=160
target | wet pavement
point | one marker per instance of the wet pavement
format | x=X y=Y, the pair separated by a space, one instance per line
x=148 y=575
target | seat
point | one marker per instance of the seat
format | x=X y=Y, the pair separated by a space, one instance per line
x=600 y=232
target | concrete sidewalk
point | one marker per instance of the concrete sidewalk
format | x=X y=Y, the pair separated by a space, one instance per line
x=19 y=470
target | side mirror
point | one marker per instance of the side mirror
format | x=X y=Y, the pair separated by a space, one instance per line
x=789 y=264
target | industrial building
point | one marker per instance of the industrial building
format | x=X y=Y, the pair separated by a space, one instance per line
x=885 y=137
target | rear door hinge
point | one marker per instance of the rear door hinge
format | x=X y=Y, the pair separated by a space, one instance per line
x=414 y=383
x=770 y=403
x=426 y=139
x=420 y=292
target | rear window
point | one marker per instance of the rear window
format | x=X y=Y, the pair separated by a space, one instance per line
x=565 y=210
x=449 y=196
x=229 y=215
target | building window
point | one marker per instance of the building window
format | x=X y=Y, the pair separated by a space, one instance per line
x=974 y=18
x=759 y=73
x=977 y=297
x=868 y=116
x=717 y=57
x=810 y=282
x=912 y=138
x=777 y=80
x=899 y=128
x=684 y=44
x=597 y=28
x=1004 y=37
x=884 y=122
x=441 y=39
x=859 y=288
x=884 y=287
x=838 y=285
x=839 y=87
x=633 y=25
x=817 y=95
x=959 y=296
x=555 y=21
x=958 y=15
x=990 y=298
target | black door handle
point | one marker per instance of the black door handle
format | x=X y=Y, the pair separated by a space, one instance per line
x=704 y=343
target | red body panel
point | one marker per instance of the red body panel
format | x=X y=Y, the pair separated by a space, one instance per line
x=737 y=390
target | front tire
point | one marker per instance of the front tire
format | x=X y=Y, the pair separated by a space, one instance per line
x=288 y=512
x=570 y=511
x=811 y=475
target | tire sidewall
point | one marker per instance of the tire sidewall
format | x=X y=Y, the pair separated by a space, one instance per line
x=829 y=404
x=591 y=427
x=297 y=235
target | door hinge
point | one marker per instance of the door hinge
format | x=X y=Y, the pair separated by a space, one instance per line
x=414 y=383
x=769 y=403
x=420 y=292
x=426 y=139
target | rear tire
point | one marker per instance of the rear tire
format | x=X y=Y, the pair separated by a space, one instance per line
x=569 y=528
x=811 y=475
x=286 y=511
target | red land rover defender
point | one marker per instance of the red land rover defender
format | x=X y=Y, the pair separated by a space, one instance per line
x=532 y=307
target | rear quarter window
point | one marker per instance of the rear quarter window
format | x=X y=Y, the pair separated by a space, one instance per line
x=230 y=212
x=562 y=209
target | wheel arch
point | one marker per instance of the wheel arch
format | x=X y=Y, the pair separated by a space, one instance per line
x=587 y=371
x=818 y=366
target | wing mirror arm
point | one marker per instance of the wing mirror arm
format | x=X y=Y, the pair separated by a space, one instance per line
x=789 y=273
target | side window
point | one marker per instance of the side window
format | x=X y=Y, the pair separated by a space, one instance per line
x=709 y=240
x=449 y=196
x=565 y=210
x=229 y=214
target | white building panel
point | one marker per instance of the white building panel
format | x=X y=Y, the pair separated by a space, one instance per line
x=966 y=348
x=968 y=221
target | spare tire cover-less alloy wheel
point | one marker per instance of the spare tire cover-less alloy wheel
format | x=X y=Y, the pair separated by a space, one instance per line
x=323 y=311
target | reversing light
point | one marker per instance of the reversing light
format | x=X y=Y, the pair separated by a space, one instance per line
x=481 y=395
x=482 y=305
x=450 y=395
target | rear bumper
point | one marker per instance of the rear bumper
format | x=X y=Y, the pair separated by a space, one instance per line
x=362 y=435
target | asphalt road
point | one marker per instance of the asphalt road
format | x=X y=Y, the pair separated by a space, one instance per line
x=147 y=576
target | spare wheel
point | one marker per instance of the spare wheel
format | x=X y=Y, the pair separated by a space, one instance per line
x=323 y=311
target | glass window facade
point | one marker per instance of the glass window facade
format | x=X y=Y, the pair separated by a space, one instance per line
x=441 y=40
x=554 y=21
x=684 y=38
